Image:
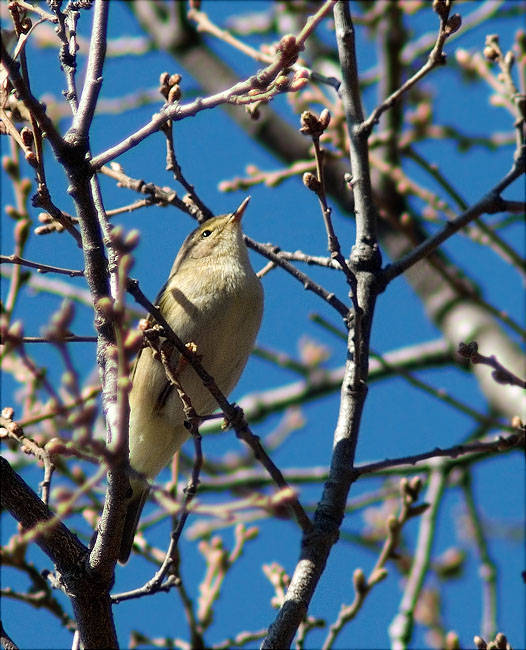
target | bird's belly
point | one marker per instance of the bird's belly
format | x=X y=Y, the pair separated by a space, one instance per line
x=223 y=339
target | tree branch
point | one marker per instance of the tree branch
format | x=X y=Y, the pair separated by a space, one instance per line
x=92 y=608
x=93 y=81
x=42 y=268
x=365 y=264
x=490 y=203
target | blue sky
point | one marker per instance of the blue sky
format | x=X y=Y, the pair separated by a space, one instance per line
x=398 y=419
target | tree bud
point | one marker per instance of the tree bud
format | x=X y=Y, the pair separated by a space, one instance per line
x=174 y=94
x=453 y=24
x=311 y=182
x=359 y=581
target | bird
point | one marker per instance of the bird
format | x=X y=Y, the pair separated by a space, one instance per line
x=213 y=300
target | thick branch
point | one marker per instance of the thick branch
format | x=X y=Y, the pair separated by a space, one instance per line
x=365 y=263
x=64 y=548
x=89 y=598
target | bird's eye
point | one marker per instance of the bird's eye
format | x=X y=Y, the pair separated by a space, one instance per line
x=206 y=233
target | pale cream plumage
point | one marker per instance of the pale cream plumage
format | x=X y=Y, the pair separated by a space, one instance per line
x=214 y=299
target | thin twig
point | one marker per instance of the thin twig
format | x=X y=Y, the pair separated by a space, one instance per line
x=12 y=429
x=448 y=26
x=444 y=396
x=72 y=338
x=38 y=283
x=503 y=443
x=43 y=200
x=490 y=203
x=93 y=80
x=34 y=106
x=498 y=244
x=362 y=586
x=487 y=570
x=157 y=194
x=42 y=268
x=268 y=251
x=315 y=126
x=401 y=627
x=204 y=24
x=501 y=374
x=203 y=212
x=286 y=53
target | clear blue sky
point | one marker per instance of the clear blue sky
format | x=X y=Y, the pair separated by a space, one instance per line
x=398 y=420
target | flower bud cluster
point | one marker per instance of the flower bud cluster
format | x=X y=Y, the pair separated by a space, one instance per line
x=313 y=125
x=169 y=87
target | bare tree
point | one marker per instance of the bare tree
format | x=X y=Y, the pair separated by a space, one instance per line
x=371 y=174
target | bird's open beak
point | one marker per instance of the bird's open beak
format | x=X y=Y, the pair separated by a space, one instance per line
x=238 y=214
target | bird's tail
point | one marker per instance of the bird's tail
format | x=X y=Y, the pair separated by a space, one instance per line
x=133 y=513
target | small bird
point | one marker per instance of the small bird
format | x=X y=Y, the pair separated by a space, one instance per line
x=213 y=300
